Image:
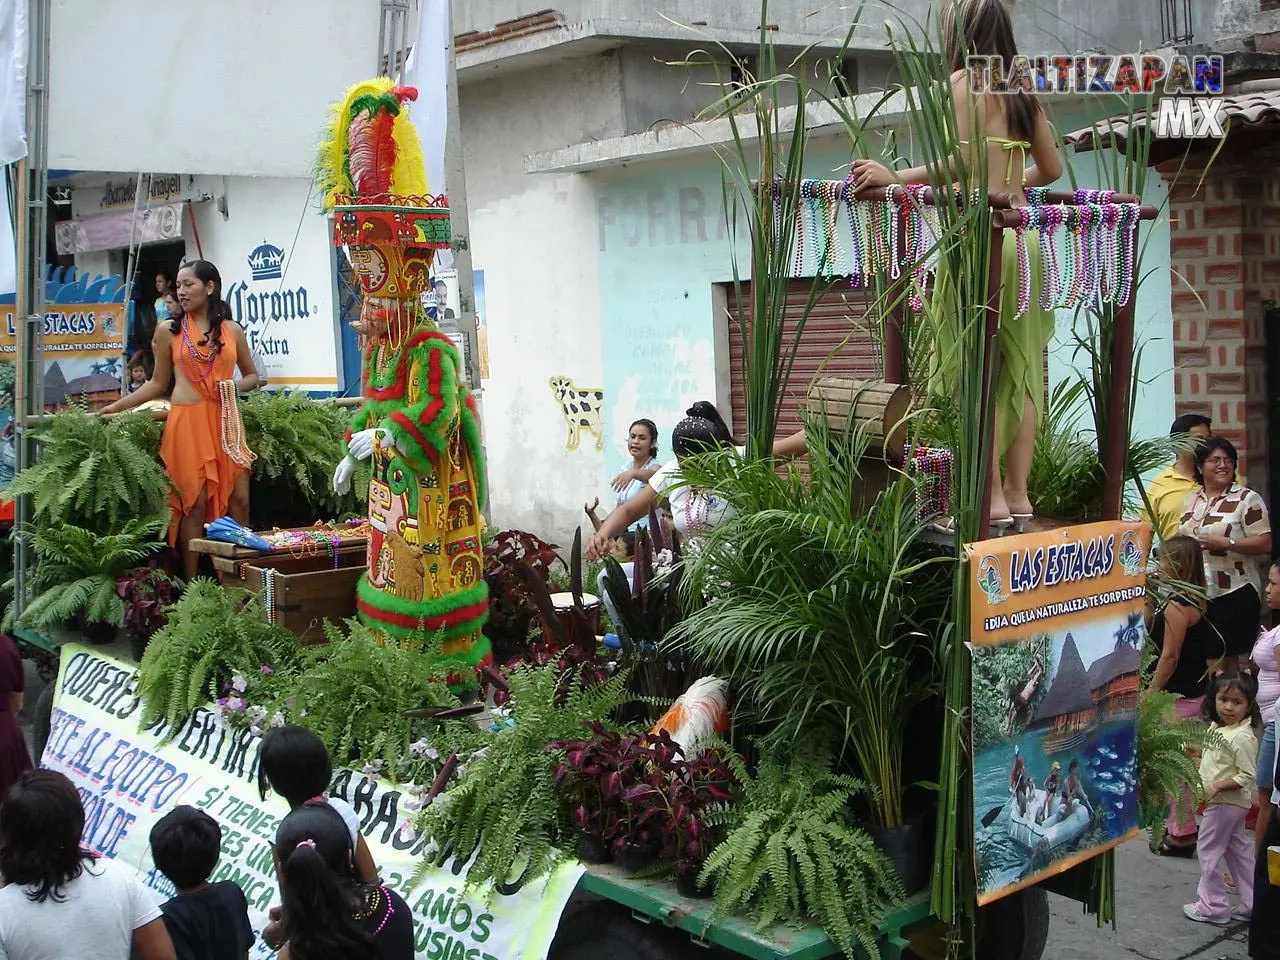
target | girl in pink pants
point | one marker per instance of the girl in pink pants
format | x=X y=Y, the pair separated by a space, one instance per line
x=1227 y=771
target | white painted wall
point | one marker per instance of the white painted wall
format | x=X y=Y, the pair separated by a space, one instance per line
x=298 y=351
x=534 y=238
x=236 y=87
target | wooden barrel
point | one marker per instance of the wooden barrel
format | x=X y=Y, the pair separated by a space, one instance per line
x=877 y=408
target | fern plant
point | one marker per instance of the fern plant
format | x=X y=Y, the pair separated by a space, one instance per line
x=298 y=442
x=1164 y=767
x=507 y=811
x=356 y=692
x=77 y=570
x=213 y=632
x=94 y=473
x=790 y=853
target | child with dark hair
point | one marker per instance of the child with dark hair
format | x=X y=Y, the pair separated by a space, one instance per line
x=330 y=913
x=293 y=762
x=59 y=900
x=1227 y=771
x=205 y=921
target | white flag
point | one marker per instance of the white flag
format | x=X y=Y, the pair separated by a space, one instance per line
x=428 y=70
x=13 y=80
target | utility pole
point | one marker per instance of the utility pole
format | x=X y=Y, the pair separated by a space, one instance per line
x=28 y=307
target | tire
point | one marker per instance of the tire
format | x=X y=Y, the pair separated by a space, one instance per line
x=605 y=931
x=42 y=721
x=1013 y=928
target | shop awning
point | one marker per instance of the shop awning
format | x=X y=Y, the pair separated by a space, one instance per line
x=112 y=231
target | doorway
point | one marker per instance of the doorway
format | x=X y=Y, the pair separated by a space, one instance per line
x=152 y=259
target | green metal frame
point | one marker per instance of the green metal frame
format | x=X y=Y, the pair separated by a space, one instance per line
x=658 y=900
x=41 y=649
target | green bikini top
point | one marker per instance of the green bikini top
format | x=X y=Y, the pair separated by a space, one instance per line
x=1010 y=145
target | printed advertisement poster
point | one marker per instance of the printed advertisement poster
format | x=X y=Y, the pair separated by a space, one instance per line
x=1056 y=633
x=84 y=338
x=128 y=780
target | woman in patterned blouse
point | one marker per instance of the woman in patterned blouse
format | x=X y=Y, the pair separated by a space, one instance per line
x=1234 y=529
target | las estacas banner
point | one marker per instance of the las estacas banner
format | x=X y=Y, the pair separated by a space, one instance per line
x=1058 y=577
x=1056 y=634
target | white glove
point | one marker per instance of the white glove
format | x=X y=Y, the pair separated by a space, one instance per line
x=361 y=445
x=342 y=476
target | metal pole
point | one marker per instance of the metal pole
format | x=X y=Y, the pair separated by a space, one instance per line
x=1115 y=445
x=33 y=192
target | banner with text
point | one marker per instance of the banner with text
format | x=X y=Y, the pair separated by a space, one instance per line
x=84 y=339
x=1056 y=633
x=127 y=780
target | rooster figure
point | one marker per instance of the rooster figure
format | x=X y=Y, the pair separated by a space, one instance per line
x=700 y=714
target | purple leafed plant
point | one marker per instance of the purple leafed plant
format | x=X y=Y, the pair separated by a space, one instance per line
x=147 y=593
x=511 y=605
x=638 y=791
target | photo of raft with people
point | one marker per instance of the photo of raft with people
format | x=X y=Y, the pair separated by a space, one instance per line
x=1054 y=737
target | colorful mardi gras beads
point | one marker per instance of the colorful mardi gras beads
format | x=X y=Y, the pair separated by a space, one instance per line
x=1027 y=218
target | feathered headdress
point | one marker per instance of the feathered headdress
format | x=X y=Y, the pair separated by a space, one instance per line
x=371 y=150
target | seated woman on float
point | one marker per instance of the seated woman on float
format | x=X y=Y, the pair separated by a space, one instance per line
x=694 y=511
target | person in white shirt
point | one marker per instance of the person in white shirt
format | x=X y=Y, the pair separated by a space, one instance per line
x=693 y=511
x=61 y=902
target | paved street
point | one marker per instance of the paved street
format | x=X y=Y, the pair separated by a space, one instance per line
x=1150 y=891
x=1150 y=926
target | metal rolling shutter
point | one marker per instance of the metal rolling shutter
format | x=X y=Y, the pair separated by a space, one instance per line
x=836 y=343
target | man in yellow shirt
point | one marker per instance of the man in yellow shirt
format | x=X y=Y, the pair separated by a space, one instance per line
x=1168 y=490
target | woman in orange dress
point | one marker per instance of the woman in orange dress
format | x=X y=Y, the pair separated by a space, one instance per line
x=202 y=448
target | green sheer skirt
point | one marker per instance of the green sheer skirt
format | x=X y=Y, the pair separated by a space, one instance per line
x=1021 y=341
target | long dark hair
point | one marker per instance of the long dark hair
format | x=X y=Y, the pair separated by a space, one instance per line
x=41 y=820
x=218 y=310
x=1186 y=560
x=319 y=889
x=653 y=433
x=293 y=762
x=983 y=28
x=702 y=430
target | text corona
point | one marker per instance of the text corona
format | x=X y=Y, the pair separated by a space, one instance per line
x=1176 y=75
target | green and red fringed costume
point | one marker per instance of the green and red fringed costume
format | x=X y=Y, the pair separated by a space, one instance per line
x=426 y=563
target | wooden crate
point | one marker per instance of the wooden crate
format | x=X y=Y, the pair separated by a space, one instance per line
x=308 y=590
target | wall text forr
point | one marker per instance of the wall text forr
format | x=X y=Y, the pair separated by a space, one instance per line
x=660 y=217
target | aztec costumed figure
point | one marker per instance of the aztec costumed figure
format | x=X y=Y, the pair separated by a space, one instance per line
x=418 y=422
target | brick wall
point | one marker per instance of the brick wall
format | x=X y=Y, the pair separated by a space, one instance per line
x=1224 y=247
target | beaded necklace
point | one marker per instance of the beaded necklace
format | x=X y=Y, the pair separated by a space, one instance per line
x=193 y=358
x=234 y=444
x=377 y=900
x=269 y=593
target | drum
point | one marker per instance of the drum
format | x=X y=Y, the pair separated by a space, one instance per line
x=563 y=605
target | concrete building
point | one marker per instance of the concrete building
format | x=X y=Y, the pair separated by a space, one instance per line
x=222 y=109
x=597 y=222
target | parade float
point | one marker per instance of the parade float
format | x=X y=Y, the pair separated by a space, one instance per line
x=765 y=802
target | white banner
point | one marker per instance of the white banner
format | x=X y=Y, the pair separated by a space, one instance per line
x=127 y=781
x=13 y=80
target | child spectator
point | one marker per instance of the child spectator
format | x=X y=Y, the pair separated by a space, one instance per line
x=58 y=899
x=205 y=921
x=294 y=763
x=329 y=912
x=140 y=367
